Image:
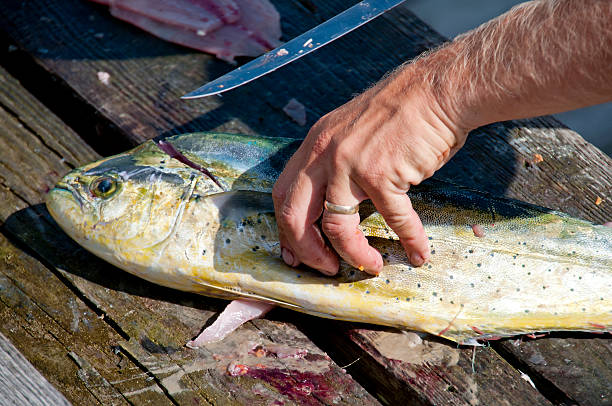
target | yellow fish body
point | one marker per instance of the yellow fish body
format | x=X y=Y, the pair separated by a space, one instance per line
x=194 y=212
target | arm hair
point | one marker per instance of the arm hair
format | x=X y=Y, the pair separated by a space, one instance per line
x=541 y=57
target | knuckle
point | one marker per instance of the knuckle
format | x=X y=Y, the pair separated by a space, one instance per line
x=372 y=177
x=331 y=229
x=415 y=177
x=287 y=219
x=288 y=213
x=279 y=193
x=337 y=162
x=400 y=224
x=402 y=178
x=321 y=142
x=443 y=155
x=428 y=173
x=344 y=152
x=336 y=231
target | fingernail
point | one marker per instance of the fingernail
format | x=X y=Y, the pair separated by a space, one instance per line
x=287 y=256
x=372 y=271
x=417 y=259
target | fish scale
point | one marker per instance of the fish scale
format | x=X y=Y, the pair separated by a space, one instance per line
x=498 y=267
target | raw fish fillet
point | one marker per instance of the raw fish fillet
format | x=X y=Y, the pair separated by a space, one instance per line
x=234 y=315
x=225 y=28
x=296 y=111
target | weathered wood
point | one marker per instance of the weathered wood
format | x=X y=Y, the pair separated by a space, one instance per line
x=38 y=141
x=468 y=374
x=572 y=175
x=149 y=106
x=102 y=336
x=250 y=366
x=56 y=331
x=569 y=360
x=147 y=76
x=406 y=368
x=21 y=383
x=50 y=324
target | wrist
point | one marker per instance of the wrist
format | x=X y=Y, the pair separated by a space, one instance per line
x=444 y=83
x=427 y=81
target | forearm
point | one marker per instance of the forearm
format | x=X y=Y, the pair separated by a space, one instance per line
x=539 y=58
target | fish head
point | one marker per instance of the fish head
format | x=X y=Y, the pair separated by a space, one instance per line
x=162 y=210
x=126 y=205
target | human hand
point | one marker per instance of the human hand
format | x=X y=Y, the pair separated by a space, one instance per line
x=376 y=146
x=406 y=127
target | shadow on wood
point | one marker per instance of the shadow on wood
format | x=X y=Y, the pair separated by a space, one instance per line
x=34 y=230
x=390 y=379
x=249 y=364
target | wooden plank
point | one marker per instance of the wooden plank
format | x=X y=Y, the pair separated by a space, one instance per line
x=243 y=369
x=62 y=336
x=103 y=336
x=30 y=137
x=409 y=368
x=569 y=360
x=497 y=158
x=50 y=324
x=150 y=106
x=21 y=383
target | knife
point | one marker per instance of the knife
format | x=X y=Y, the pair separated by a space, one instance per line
x=304 y=44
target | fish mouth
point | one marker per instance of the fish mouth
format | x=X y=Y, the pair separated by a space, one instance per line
x=62 y=187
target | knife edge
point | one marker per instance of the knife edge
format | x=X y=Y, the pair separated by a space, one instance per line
x=313 y=39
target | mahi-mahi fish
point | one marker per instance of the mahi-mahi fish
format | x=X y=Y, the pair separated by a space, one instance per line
x=194 y=212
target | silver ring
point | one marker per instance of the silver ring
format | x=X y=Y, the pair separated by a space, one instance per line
x=340 y=209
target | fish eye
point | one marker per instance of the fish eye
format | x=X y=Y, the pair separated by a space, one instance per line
x=103 y=187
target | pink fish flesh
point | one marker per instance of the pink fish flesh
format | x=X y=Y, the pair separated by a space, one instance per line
x=233 y=316
x=296 y=111
x=226 y=28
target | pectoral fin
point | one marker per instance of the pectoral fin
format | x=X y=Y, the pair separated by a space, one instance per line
x=234 y=315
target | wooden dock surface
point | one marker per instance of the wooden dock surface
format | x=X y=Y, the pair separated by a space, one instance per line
x=101 y=336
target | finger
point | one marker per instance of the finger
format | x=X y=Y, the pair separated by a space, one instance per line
x=343 y=231
x=279 y=195
x=397 y=211
x=297 y=209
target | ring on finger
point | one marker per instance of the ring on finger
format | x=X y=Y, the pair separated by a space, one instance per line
x=341 y=209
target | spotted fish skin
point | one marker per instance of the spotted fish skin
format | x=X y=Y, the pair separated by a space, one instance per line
x=498 y=267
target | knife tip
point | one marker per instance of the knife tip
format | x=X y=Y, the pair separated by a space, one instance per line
x=192 y=95
x=203 y=92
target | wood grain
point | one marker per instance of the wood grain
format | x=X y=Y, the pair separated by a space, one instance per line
x=36 y=147
x=568 y=361
x=156 y=322
x=54 y=329
x=21 y=383
x=102 y=336
x=429 y=371
x=61 y=39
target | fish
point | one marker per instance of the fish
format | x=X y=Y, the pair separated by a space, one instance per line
x=194 y=212
x=225 y=28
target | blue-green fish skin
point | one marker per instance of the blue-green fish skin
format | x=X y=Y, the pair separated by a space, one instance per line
x=532 y=269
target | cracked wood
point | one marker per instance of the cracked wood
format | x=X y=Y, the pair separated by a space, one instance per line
x=569 y=173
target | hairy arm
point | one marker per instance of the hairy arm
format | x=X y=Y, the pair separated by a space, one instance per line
x=541 y=57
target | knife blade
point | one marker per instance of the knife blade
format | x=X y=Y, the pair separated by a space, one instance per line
x=301 y=45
